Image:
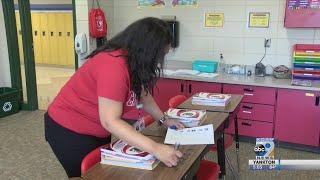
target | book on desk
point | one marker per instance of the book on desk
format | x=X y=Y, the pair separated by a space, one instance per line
x=211 y=99
x=189 y=118
x=120 y=153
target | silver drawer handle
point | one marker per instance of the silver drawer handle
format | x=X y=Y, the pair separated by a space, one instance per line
x=248 y=94
x=247 y=112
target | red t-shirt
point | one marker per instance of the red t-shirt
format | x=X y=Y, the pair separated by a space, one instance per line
x=76 y=106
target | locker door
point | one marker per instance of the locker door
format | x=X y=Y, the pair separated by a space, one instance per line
x=53 y=38
x=69 y=39
x=44 y=38
x=19 y=37
x=61 y=39
x=35 y=19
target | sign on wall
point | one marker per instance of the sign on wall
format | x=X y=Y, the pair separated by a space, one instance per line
x=151 y=3
x=177 y=3
x=259 y=19
x=213 y=19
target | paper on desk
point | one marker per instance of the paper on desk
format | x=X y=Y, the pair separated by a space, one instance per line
x=191 y=136
x=208 y=75
x=168 y=72
x=186 y=72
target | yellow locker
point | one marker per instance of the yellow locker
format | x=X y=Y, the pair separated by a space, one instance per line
x=53 y=38
x=19 y=37
x=61 y=39
x=44 y=38
x=35 y=19
x=69 y=40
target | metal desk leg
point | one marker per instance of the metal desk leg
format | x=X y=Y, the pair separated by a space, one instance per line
x=237 y=140
x=221 y=155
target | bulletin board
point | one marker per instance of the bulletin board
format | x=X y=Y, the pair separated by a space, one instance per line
x=302 y=14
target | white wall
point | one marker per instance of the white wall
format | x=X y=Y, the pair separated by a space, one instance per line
x=235 y=40
x=5 y=79
x=82 y=10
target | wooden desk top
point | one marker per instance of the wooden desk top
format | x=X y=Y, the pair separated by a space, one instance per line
x=186 y=168
x=214 y=118
x=190 y=155
x=231 y=107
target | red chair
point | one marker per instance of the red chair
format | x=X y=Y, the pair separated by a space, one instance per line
x=90 y=160
x=148 y=120
x=176 y=101
x=208 y=170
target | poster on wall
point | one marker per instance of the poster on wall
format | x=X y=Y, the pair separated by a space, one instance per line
x=303 y=4
x=150 y=3
x=181 y=3
x=259 y=19
x=302 y=14
x=213 y=20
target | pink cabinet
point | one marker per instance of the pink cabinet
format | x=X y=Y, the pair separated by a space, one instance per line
x=255 y=128
x=298 y=117
x=193 y=87
x=252 y=94
x=258 y=112
x=168 y=88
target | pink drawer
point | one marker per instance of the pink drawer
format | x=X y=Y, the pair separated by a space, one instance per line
x=255 y=128
x=252 y=94
x=256 y=112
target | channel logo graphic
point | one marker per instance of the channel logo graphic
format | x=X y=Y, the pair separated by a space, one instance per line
x=264 y=148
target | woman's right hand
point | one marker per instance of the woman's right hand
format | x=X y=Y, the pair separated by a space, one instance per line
x=167 y=154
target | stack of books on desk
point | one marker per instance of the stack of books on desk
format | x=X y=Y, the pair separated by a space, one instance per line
x=189 y=118
x=211 y=99
x=120 y=153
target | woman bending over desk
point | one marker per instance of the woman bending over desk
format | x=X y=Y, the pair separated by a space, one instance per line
x=114 y=79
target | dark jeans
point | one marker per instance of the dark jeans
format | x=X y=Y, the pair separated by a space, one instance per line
x=70 y=147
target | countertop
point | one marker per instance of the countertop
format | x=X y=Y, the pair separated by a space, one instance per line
x=267 y=81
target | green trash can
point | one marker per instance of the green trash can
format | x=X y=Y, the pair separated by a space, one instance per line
x=9 y=101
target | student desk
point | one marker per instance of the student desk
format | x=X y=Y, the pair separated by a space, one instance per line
x=187 y=167
x=231 y=109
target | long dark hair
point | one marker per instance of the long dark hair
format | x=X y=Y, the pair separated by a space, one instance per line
x=146 y=41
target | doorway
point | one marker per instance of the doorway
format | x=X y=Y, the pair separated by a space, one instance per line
x=45 y=38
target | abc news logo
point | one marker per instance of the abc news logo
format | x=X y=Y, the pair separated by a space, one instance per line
x=260 y=150
x=264 y=150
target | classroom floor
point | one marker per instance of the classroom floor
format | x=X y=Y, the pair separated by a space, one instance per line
x=24 y=154
x=49 y=82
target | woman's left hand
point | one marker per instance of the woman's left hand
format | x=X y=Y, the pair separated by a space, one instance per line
x=173 y=123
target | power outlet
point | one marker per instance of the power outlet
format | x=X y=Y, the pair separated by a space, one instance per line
x=267 y=43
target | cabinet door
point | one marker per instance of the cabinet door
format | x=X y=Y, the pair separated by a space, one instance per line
x=252 y=94
x=297 y=117
x=255 y=128
x=195 y=87
x=166 y=89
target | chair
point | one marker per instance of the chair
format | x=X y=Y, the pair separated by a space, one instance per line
x=90 y=160
x=208 y=170
x=148 y=120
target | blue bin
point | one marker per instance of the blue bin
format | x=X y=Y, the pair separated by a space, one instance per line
x=205 y=66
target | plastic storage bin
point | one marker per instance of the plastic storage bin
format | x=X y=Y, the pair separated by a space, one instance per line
x=205 y=66
x=9 y=101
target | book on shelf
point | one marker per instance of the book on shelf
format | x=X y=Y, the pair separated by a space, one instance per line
x=120 y=153
x=211 y=99
x=189 y=118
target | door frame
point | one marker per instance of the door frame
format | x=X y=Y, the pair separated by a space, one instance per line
x=27 y=41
